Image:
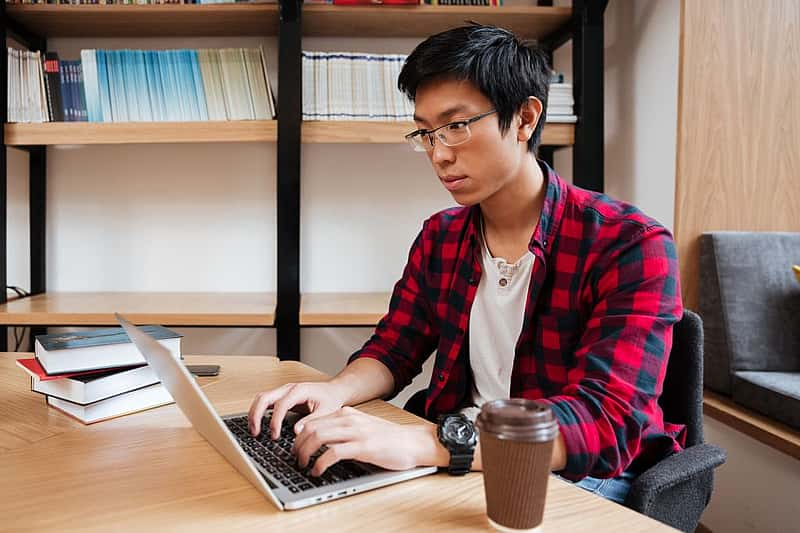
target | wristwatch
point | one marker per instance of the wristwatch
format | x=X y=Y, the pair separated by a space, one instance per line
x=457 y=433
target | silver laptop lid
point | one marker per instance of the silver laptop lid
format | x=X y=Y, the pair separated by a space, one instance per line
x=194 y=404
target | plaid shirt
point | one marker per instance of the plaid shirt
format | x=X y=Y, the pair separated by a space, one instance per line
x=597 y=332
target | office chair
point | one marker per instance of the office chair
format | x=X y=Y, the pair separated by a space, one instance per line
x=677 y=489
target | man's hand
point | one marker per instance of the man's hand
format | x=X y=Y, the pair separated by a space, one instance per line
x=351 y=434
x=319 y=398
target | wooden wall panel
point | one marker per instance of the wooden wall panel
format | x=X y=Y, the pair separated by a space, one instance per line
x=738 y=151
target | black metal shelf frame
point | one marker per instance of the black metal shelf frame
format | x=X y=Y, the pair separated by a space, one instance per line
x=585 y=30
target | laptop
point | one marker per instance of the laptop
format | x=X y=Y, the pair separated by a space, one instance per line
x=269 y=465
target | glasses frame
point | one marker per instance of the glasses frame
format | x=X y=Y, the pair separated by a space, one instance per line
x=430 y=135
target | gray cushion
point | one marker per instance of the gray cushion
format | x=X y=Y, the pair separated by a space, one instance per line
x=750 y=303
x=774 y=394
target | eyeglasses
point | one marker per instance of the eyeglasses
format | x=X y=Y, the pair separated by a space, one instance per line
x=451 y=134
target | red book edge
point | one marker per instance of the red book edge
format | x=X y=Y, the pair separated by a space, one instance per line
x=32 y=367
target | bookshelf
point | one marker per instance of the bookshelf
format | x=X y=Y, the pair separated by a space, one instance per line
x=51 y=133
x=287 y=310
x=343 y=309
x=232 y=309
x=54 y=133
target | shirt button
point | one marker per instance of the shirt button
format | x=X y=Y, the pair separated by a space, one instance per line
x=473 y=281
x=441 y=376
x=503 y=282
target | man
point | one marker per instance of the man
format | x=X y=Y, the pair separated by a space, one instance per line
x=534 y=288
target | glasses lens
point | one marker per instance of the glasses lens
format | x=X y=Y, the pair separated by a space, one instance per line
x=417 y=142
x=454 y=134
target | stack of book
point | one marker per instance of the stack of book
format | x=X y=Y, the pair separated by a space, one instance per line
x=99 y=374
x=560 y=103
x=353 y=86
x=139 y=86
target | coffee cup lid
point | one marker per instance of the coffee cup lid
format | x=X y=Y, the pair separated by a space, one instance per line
x=518 y=419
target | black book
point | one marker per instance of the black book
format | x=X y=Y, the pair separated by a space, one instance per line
x=52 y=81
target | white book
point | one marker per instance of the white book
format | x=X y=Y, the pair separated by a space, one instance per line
x=270 y=92
x=91 y=388
x=360 y=88
x=321 y=89
x=562 y=119
x=209 y=87
x=257 y=83
x=59 y=353
x=123 y=404
x=309 y=87
x=390 y=92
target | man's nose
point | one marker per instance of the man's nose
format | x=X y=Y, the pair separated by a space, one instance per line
x=441 y=153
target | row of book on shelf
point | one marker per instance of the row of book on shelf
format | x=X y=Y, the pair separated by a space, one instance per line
x=139 y=86
x=335 y=2
x=212 y=84
x=99 y=374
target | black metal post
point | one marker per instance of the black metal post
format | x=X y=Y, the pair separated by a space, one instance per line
x=38 y=216
x=290 y=83
x=587 y=68
x=3 y=178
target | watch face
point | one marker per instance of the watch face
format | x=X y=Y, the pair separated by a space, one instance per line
x=458 y=432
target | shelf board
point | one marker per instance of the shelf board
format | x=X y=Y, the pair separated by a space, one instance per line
x=343 y=309
x=165 y=308
x=167 y=20
x=48 y=133
x=529 y=22
x=353 y=131
x=763 y=429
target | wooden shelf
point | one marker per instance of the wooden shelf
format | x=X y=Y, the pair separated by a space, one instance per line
x=326 y=131
x=48 y=133
x=351 y=131
x=763 y=429
x=532 y=22
x=169 y=20
x=529 y=22
x=343 y=309
x=165 y=308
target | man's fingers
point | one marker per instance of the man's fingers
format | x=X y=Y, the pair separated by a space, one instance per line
x=282 y=406
x=261 y=403
x=334 y=454
x=315 y=438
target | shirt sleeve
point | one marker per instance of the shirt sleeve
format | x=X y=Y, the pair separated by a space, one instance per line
x=406 y=336
x=612 y=397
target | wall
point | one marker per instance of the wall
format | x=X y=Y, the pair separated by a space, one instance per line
x=738 y=162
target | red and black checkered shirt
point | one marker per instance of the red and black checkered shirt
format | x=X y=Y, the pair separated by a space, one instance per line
x=597 y=332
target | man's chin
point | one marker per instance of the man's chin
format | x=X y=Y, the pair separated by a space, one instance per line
x=466 y=200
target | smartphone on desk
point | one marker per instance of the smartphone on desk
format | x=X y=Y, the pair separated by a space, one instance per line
x=203 y=370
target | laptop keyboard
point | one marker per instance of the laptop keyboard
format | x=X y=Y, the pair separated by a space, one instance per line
x=276 y=457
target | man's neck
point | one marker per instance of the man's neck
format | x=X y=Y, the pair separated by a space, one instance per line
x=514 y=210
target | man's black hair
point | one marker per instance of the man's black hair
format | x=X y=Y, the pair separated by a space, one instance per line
x=506 y=70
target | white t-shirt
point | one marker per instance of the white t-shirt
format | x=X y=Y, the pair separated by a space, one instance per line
x=495 y=323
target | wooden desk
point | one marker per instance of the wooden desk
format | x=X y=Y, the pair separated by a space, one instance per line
x=152 y=470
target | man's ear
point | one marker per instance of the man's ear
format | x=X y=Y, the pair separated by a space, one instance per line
x=529 y=113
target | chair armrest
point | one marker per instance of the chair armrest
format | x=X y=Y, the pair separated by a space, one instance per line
x=673 y=470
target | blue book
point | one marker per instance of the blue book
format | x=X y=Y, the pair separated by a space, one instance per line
x=103 y=85
x=199 y=90
x=178 y=101
x=129 y=84
x=90 y=86
x=187 y=84
x=142 y=92
x=81 y=95
x=153 y=88
x=162 y=62
x=65 y=96
x=101 y=348
x=119 y=101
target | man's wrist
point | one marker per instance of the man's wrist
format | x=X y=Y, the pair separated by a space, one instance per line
x=427 y=449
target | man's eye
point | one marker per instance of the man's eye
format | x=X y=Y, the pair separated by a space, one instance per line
x=455 y=126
